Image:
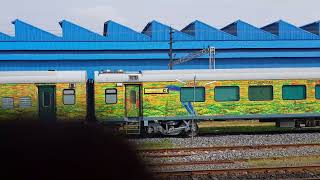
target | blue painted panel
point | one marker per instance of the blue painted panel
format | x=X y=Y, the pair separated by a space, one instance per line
x=75 y=55
x=193 y=45
x=160 y=32
x=157 y=64
x=4 y=37
x=73 y=32
x=245 y=31
x=203 y=31
x=312 y=27
x=268 y=63
x=27 y=32
x=118 y=32
x=287 y=31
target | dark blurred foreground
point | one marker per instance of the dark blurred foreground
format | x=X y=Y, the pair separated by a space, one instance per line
x=65 y=151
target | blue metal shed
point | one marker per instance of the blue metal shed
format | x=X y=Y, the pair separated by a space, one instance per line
x=238 y=45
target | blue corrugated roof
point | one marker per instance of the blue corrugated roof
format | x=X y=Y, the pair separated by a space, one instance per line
x=124 y=48
x=117 y=32
x=287 y=31
x=160 y=32
x=312 y=27
x=245 y=31
x=27 y=32
x=4 y=37
x=202 y=31
x=73 y=32
x=156 y=31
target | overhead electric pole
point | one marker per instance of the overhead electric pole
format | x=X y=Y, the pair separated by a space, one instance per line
x=170 y=50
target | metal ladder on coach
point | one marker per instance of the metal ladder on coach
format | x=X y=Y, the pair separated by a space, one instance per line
x=133 y=127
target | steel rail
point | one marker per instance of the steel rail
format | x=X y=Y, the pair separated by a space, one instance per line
x=220 y=148
x=191 y=163
x=240 y=170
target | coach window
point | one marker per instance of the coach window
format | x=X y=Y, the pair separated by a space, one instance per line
x=111 y=96
x=260 y=93
x=25 y=102
x=294 y=92
x=7 y=103
x=226 y=93
x=317 y=91
x=187 y=94
x=69 y=97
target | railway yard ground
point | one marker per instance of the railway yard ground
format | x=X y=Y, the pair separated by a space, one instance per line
x=233 y=156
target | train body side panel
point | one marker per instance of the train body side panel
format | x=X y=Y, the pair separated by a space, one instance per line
x=169 y=105
x=72 y=112
x=16 y=92
x=163 y=105
x=109 y=112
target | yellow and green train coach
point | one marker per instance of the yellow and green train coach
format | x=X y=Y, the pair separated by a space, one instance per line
x=167 y=101
x=163 y=101
x=45 y=95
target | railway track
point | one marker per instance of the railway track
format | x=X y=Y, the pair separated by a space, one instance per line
x=185 y=162
x=221 y=148
x=236 y=171
x=213 y=162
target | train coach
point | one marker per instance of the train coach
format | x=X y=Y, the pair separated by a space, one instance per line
x=162 y=101
x=45 y=95
x=168 y=101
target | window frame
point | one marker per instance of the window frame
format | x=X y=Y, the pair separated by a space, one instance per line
x=306 y=93
x=74 y=94
x=272 y=88
x=238 y=90
x=2 y=103
x=202 y=87
x=105 y=95
x=21 y=103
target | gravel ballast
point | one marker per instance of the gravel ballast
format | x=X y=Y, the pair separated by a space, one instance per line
x=234 y=140
x=231 y=140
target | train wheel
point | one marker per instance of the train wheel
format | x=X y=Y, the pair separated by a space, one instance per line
x=194 y=129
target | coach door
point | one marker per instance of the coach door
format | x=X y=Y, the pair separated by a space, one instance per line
x=47 y=103
x=132 y=100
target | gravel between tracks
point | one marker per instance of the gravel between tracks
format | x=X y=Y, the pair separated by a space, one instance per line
x=234 y=140
x=240 y=154
x=283 y=175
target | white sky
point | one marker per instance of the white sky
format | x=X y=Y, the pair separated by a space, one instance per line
x=136 y=14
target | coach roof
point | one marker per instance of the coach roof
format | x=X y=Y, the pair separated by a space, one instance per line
x=42 y=76
x=207 y=74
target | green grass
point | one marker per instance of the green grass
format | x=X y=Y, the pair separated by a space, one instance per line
x=163 y=144
x=289 y=161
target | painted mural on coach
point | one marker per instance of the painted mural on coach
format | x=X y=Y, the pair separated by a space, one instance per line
x=170 y=102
